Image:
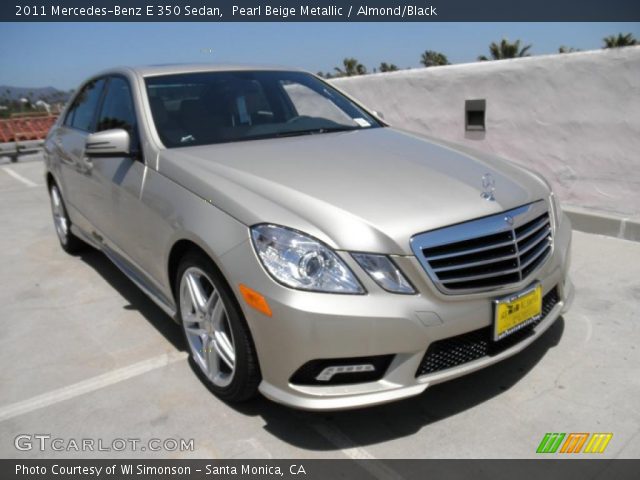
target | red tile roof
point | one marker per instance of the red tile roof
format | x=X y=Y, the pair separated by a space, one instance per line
x=27 y=128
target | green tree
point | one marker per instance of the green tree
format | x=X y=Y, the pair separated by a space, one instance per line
x=564 y=49
x=325 y=75
x=388 y=67
x=431 y=58
x=621 y=40
x=351 y=67
x=506 y=49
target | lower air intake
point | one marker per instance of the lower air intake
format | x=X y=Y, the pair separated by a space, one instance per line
x=461 y=349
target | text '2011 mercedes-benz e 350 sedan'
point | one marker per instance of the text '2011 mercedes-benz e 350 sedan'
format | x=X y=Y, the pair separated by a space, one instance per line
x=309 y=251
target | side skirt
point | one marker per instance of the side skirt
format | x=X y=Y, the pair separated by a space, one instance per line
x=134 y=274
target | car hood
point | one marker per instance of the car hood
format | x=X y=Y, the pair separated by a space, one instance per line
x=365 y=190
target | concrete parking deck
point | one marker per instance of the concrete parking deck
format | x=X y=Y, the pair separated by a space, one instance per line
x=84 y=354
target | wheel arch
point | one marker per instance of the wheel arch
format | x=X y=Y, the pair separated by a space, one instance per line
x=184 y=246
x=179 y=249
x=51 y=180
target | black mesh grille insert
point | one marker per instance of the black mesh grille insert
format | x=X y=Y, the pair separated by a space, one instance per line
x=454 y=351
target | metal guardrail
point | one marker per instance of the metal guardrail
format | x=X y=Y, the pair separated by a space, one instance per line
x=13 y=150
x=23 y=134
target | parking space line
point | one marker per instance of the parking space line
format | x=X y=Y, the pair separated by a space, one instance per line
x=20 y=178
x=89 y=385
x=348 y=447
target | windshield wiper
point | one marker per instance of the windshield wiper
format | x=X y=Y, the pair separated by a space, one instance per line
x=313 y=131
x=292 y=133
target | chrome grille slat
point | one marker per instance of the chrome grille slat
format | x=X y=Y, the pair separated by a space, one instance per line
x=474 y=250
x=488 y=253
x=536 y=241
x=535 y=256
x=475 y=264
x=543 y=223
x=480 y=277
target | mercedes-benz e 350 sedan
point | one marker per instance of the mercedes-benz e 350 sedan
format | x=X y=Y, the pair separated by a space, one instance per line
x=309 y=251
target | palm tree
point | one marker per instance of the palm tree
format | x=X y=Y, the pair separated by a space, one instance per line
x=351 y=67
x=506 y=49
x=431 y=58
x=388 y=67
x=564 y=49
x=621 y=40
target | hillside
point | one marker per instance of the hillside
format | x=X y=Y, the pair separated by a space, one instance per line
x=48 y=94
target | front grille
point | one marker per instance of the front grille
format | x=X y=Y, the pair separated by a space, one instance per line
x=487 y=253
x=454 y=351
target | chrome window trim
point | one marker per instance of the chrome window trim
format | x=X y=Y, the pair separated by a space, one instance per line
x=473 y=229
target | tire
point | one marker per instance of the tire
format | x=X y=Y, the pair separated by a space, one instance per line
x=215 y=330
x=68 y=241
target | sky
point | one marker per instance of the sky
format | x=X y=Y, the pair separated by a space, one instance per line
x=62 y=55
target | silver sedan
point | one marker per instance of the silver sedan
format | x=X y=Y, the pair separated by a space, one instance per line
x=310 y=251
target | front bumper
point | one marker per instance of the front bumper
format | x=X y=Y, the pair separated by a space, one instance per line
x=308 y=326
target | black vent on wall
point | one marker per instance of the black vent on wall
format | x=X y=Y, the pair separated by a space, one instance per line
x=475 y=115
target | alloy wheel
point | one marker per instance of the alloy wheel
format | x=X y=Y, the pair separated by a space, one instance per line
x=207 y=328
x=59 y=216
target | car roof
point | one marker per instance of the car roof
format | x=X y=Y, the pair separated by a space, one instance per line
x=170 y=69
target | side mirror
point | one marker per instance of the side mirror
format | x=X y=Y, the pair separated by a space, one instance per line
x=378 y=114
x=108 y=143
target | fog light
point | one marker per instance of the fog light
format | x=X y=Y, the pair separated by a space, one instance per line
x=326 y=374
x=342 y=371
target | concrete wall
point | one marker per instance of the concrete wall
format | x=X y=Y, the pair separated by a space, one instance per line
x=575 y=117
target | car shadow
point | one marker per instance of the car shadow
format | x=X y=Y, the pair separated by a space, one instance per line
x=137 y=299
x=321 y=431
x=382 y=423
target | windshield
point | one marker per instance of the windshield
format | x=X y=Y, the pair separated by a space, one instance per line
x=216 y=107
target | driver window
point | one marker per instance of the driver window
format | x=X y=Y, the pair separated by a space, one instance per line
x=117 y=108
x=83 y=110
x=118 y=111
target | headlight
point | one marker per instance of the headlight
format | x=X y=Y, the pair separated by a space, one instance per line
x=385 y=273
x=299 y=261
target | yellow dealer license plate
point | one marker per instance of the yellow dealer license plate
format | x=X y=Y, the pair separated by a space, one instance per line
x=517 y=311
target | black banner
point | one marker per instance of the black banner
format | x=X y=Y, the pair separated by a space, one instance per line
x=319 y=11
x=320 y=469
